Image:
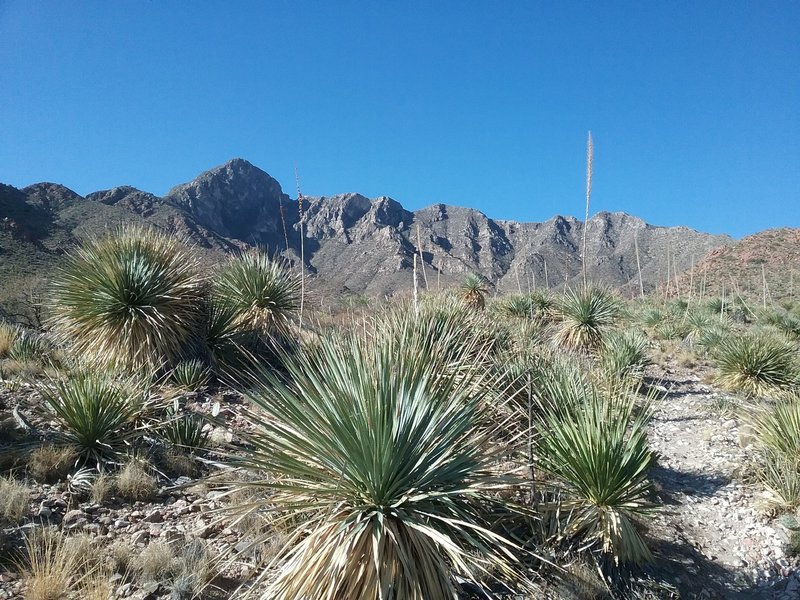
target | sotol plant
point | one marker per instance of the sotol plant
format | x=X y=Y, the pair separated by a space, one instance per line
x=130 y=300
x=595 y=449
x=264 y=293
x=473 y=290
x=756 y=364
x=97 y=414
x=377 y=455
x=585 y=315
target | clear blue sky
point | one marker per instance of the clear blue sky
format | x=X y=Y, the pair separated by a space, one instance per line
x=694 y=106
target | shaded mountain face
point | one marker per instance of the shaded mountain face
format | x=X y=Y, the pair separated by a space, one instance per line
x=354 y=244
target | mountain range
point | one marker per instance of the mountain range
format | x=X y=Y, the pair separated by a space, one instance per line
x=350 y=243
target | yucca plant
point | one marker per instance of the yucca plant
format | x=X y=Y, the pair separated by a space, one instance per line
x=783 y=320
x=585 y=315
x=474 y=289
x=264 y=293
x=186 y=432
x=190 y=375
x=623 y=357
x=518 y=306
x=776 y=426
x=130 y=300
x=28 y=346
x=756 y=364
x=780 y=474
x=595 y=449
x=97 y=415
x=376 y=456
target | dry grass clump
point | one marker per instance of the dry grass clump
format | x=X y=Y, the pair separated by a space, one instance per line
x=50 y=464
x=134 y=482
x=155 y=562
x=14 y=499
x=102 y=488
x=49 y=567
x=188 y=570
x=8 y=335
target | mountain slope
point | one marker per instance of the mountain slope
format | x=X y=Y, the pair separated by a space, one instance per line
x=350 y=243
x=770 y=257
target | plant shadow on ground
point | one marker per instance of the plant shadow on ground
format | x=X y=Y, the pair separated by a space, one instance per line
x=690 y=483
x=698 y=577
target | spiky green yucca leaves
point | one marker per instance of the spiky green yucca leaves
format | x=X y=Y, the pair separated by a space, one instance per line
x=623 y=357
x=585 y=315
x=777 y=426
x=97 y=414
x=777 y=432
x=596 y=450
x=262 y=291
x=535 y=305
x=473 y=290
x=130 y=300
x=186 y=432
x=190 y=375
x=376 y=452
x=756 y=364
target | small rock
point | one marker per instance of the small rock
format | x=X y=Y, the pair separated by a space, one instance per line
x=73 y=516
x=154 y=517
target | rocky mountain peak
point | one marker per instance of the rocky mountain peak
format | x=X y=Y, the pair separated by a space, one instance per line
x=231 y=199
x=50 y=196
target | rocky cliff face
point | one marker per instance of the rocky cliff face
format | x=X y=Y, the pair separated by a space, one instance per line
x=355 y=244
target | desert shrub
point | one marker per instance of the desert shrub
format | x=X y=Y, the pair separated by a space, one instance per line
x=131 y=300
x=518 y=306
x=623 y=357
x=98 y=414
x=229 y=344
x=473 y=290
x=14 y=499
x=756 y=364
x=776 y=431
x=190 y=375
x=376 y=452
x=595 y=450
x=264 y=293
x=50 y=463
x=134 y=482
x=651 y=317
x=585 y=315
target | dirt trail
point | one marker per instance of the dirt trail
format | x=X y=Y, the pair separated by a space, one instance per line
x=717 y=540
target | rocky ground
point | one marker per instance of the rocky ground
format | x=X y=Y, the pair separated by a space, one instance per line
x=717 y=537
x=714 y=538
